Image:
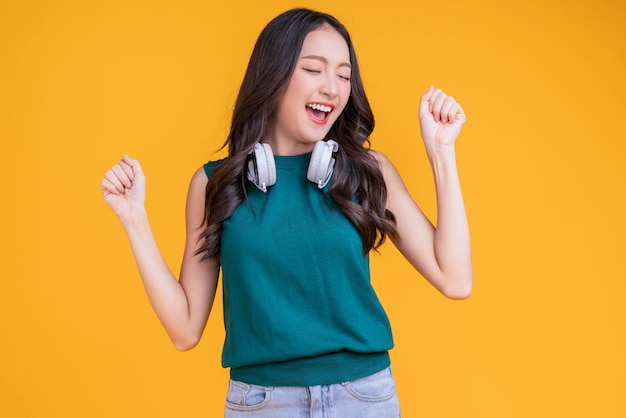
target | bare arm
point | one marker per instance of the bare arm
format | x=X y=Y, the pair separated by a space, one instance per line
x=183 y=307
x=441 y=254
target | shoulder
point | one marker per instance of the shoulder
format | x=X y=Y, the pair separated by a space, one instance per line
x=392 y=178
x=197 y=186
x=384 y=163
x=210 y=167
x=379 y=157
x=200 y=178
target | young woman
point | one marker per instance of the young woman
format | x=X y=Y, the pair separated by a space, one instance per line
x=289 y=217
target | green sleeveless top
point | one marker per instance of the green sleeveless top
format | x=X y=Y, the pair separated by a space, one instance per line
x=299 y=308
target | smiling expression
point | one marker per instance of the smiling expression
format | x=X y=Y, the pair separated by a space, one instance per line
x=316 y=95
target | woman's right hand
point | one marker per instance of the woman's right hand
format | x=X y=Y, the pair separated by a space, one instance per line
x=124 y=188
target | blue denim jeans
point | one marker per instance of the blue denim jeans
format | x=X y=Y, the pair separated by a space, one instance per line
x=370 y=397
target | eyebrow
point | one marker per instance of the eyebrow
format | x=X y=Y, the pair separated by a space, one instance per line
x=324 y=60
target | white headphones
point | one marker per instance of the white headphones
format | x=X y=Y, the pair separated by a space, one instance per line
x=262 y=170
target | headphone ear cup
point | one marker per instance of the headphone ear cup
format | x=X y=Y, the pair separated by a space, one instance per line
x=322 y=163
x=271 y=166
x=261 y=167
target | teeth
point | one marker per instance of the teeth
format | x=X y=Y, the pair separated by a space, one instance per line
x=320 y=107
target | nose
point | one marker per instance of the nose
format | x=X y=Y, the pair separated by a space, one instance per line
x=329 y=85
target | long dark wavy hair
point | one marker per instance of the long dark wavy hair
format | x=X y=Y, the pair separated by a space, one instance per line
x=356 y=173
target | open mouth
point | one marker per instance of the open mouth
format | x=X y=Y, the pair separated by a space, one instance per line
x=319 y=112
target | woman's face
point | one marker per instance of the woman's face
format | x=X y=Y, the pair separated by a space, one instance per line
x=315 y=96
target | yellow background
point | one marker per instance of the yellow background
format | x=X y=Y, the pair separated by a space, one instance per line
x=542 y=82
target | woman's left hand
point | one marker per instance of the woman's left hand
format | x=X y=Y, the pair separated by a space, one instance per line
x=441 y=119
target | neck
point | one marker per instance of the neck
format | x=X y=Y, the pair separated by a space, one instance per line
x=288 y=147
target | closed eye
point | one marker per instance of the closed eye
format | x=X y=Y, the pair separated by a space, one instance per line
x=313 y=71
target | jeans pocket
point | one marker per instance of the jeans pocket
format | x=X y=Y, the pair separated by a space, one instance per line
x=244 y=397
x=375 y=388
